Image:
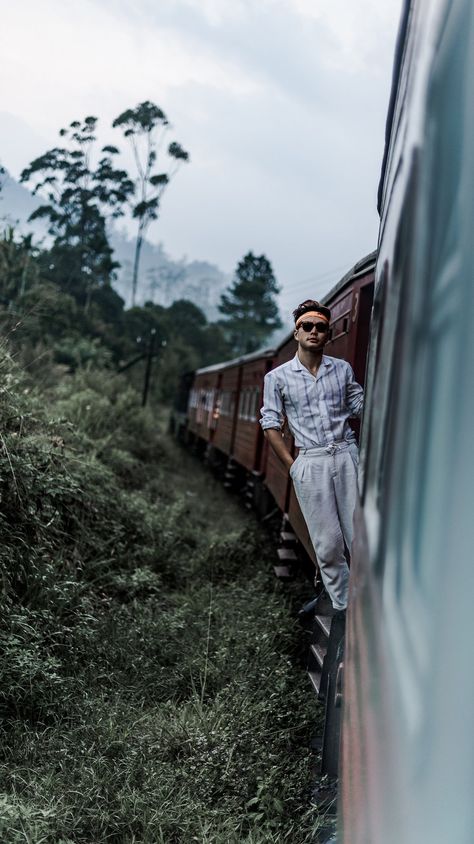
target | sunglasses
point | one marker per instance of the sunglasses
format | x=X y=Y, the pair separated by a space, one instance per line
x=322 y=327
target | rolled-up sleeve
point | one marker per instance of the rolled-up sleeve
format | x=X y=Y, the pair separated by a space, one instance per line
x=272 y=411
x=354 y=394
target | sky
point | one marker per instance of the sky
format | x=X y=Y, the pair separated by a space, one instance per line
x=280 y=103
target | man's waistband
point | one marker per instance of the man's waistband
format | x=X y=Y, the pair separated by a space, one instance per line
x=330 y=448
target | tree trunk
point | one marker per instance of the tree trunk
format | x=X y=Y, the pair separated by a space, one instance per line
x=136 y=263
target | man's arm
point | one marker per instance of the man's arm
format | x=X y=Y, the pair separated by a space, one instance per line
x=354 y=394
x=277 y=443
x=272 y=419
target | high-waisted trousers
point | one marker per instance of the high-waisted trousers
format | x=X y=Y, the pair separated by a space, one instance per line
x=325 y=483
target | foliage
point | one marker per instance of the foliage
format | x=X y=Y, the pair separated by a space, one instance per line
x=18 y=268
x=249 y=306
x=42 y=318
x=77 y=195
x=145 y=127
x=149 y=681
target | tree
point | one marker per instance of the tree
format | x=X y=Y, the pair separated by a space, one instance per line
x=249 y=306
x=145 y=127
x=77 y=196
x=19 y=268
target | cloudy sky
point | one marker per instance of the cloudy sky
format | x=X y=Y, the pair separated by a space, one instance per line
x=281 y=104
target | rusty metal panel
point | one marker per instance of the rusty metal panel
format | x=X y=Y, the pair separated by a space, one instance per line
x=276 y=479
x=226 y=408
x=248 y=440
x=299 y=525
x=276 y=476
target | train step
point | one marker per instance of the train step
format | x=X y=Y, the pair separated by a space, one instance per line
x=287 y=559
x=283 y=572
x=316 y=673
x=287 y=537
x=324 y=623
x=317 y=656
x=287 y=556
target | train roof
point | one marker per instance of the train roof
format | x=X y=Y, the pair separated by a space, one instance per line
x=260 y=353
x=362 y=267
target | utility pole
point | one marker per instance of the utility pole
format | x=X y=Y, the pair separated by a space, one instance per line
x=149 y=358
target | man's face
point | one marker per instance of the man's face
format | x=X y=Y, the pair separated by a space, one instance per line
x=312 y=334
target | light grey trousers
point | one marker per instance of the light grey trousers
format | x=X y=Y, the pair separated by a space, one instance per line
x=325 y=483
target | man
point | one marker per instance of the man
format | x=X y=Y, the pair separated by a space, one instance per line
x=318 y=395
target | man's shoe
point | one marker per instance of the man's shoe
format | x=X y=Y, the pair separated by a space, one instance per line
x=306 y=615
x=323 y=606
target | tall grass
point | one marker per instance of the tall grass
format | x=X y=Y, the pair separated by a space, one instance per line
x=150 y=687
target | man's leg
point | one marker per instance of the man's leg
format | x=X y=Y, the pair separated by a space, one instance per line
x=314 y=487
x=345 y=485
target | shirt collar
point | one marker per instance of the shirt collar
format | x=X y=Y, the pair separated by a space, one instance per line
x=298 y=366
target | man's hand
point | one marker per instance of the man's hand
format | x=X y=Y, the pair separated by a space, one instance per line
x=277 y=443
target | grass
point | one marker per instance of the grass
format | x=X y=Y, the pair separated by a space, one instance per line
x=153 y=688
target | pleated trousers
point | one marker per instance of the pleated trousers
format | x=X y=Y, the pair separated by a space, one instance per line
x=325 y=484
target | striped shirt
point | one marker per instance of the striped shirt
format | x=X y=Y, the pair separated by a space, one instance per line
x=317 y=409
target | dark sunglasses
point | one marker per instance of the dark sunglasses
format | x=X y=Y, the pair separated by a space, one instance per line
x=322 y=327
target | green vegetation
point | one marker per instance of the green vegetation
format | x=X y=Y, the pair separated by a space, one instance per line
x=150 y=686
x=249 y=307
x=44 y=315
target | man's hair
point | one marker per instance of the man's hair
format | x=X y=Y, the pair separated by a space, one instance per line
x=311 y=305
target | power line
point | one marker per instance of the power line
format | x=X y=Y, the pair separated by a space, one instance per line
x=313 y=279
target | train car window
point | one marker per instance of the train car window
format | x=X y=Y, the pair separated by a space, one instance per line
x=254 y=404
x=225 y=403
x=340 y=312
x=391 y=353
x=216 y=412
x=201 y=407
x=246 y=404
x=210 y=407
x=372 y=427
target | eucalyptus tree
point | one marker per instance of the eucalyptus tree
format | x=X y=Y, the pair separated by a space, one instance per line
x=78 y=194
x=146 y=128
x=249 y=305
